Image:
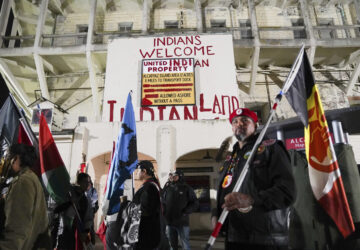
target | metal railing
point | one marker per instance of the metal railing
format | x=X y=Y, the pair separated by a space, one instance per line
x=323 y=33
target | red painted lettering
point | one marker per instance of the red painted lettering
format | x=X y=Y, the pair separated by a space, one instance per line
x=161 y=112
x=187 y=114
x=216 y=104
x=147 y=54
x=202 y=109
x=209 y=50
x=223 y=103
x=173 y=112
x=111 y=102
x=233 y=98
x=142 y=109
x=175 y=51
x=158 y=53
x=166 y=54
x=197 y=38
x=122 y=110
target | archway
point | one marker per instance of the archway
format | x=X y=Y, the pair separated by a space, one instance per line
x=98 y=170
x=201 y=171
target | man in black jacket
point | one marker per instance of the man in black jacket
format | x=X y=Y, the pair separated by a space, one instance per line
x=258 y=212
x=179 y=200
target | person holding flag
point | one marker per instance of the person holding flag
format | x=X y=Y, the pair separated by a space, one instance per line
x=324 y=173
x=258 y=213
x=123 y=164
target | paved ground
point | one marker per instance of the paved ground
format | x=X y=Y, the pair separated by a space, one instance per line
x=198 y=241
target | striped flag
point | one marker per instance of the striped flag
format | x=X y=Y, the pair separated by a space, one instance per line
x=53 y=172
x=324 y=172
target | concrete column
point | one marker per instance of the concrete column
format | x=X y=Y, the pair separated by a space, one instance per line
x=41 y=76
x=37 y=43
x=256 y=52
x=357 y=10
x=309 y=29
x=354 y=77
x=199 y=17
x=338 y=132
x=91 y=25
x=165 y=151
x=41 y=22
x=146 y=16
x=4 y=16
x=90 y=61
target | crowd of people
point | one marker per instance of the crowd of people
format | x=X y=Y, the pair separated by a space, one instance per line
x=156 y=218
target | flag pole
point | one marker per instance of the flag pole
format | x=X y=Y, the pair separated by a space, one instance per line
x=289 y=80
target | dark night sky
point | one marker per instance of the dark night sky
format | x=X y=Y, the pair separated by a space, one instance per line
x=4 y=91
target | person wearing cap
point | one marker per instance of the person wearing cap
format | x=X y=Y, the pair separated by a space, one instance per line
x=258 y=213
x=179 y=200
x=148 y=196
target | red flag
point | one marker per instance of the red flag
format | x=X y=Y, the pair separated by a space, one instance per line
x=23 y=137
x=53 y=172
x=324 y=172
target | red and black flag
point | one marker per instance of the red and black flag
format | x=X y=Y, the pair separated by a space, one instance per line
x=324 y=172
x=14 y=128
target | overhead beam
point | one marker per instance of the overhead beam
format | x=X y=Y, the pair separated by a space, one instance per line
x=19 y=64
x=4 y=69
x=50 y=67
x=29 y=19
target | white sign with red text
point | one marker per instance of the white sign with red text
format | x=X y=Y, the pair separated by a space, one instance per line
x=212 y=57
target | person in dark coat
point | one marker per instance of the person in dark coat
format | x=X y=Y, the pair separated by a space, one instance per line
x=179 y=201
x=148 y=196
x=69 y=223
x=258 y=213
x=26 y=221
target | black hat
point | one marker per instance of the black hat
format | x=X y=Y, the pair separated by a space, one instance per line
x=147 y=165
x=179 y=173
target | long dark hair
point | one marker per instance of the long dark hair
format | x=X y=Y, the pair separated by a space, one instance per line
x=150 y=170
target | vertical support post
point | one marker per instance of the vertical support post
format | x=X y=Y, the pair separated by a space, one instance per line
x=309 y=29
x=37 y=43
x=90 y=63
x=4 y=17
x=256 y=53
x=199 y=18
x=146 y=16
x=165 y=151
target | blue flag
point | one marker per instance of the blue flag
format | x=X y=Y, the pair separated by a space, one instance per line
x=124 y=160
